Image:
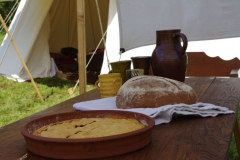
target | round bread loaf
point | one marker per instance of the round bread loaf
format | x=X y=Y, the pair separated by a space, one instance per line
x=152 y=92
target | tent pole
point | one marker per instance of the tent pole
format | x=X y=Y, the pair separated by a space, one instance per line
x=20 y=57
x=81 y=45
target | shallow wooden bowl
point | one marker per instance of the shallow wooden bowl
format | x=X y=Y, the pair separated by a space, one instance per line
x=88 y=148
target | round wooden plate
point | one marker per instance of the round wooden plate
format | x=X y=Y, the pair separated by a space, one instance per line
x=88 y=148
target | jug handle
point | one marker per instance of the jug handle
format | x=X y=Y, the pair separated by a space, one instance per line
x=97 y=84
x=185 y=43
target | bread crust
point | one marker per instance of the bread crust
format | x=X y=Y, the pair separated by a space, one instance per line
x=153 y=91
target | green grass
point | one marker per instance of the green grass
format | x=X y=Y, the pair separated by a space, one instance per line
x=18 y=100
x=233 y=154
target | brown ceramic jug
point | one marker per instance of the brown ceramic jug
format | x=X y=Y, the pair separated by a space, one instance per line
x=169 y=58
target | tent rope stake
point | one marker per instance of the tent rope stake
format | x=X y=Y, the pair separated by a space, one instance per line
x=20 y=57
x=101 y=27
x=71 y=90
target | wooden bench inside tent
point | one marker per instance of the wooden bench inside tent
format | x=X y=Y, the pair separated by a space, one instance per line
x=201 y=65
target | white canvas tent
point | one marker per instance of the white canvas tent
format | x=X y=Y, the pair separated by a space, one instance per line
x=41 y=27
x=131 y=23
x=210 y=26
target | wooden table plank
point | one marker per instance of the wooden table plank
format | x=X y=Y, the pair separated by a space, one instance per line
x=223 y=92
x=12 y=143
x=199 y=84
x=195 y=137
x=232 y=90
x=182 y=138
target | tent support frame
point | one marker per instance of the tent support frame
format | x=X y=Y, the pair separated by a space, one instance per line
x=81 y=45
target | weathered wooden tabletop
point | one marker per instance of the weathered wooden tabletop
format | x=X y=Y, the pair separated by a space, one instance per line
x=183 y=138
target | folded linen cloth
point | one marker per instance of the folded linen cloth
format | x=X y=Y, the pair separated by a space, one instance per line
x=161 y=114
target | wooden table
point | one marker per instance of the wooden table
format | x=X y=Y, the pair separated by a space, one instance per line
x=182 y=138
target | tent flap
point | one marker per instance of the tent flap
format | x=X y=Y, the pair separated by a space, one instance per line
x=29 y=13
x=198 y=20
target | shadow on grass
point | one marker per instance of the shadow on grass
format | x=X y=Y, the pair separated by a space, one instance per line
x=55 y=82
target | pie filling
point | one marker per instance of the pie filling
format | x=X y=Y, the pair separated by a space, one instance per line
x=89 y=127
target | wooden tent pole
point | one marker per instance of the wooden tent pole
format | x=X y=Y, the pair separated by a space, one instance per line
x=20 y=57
x=81 y=45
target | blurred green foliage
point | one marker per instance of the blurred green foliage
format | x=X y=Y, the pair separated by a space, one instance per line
x=5 y=8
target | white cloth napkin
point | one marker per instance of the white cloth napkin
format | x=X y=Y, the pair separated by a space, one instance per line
x=161 y=114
